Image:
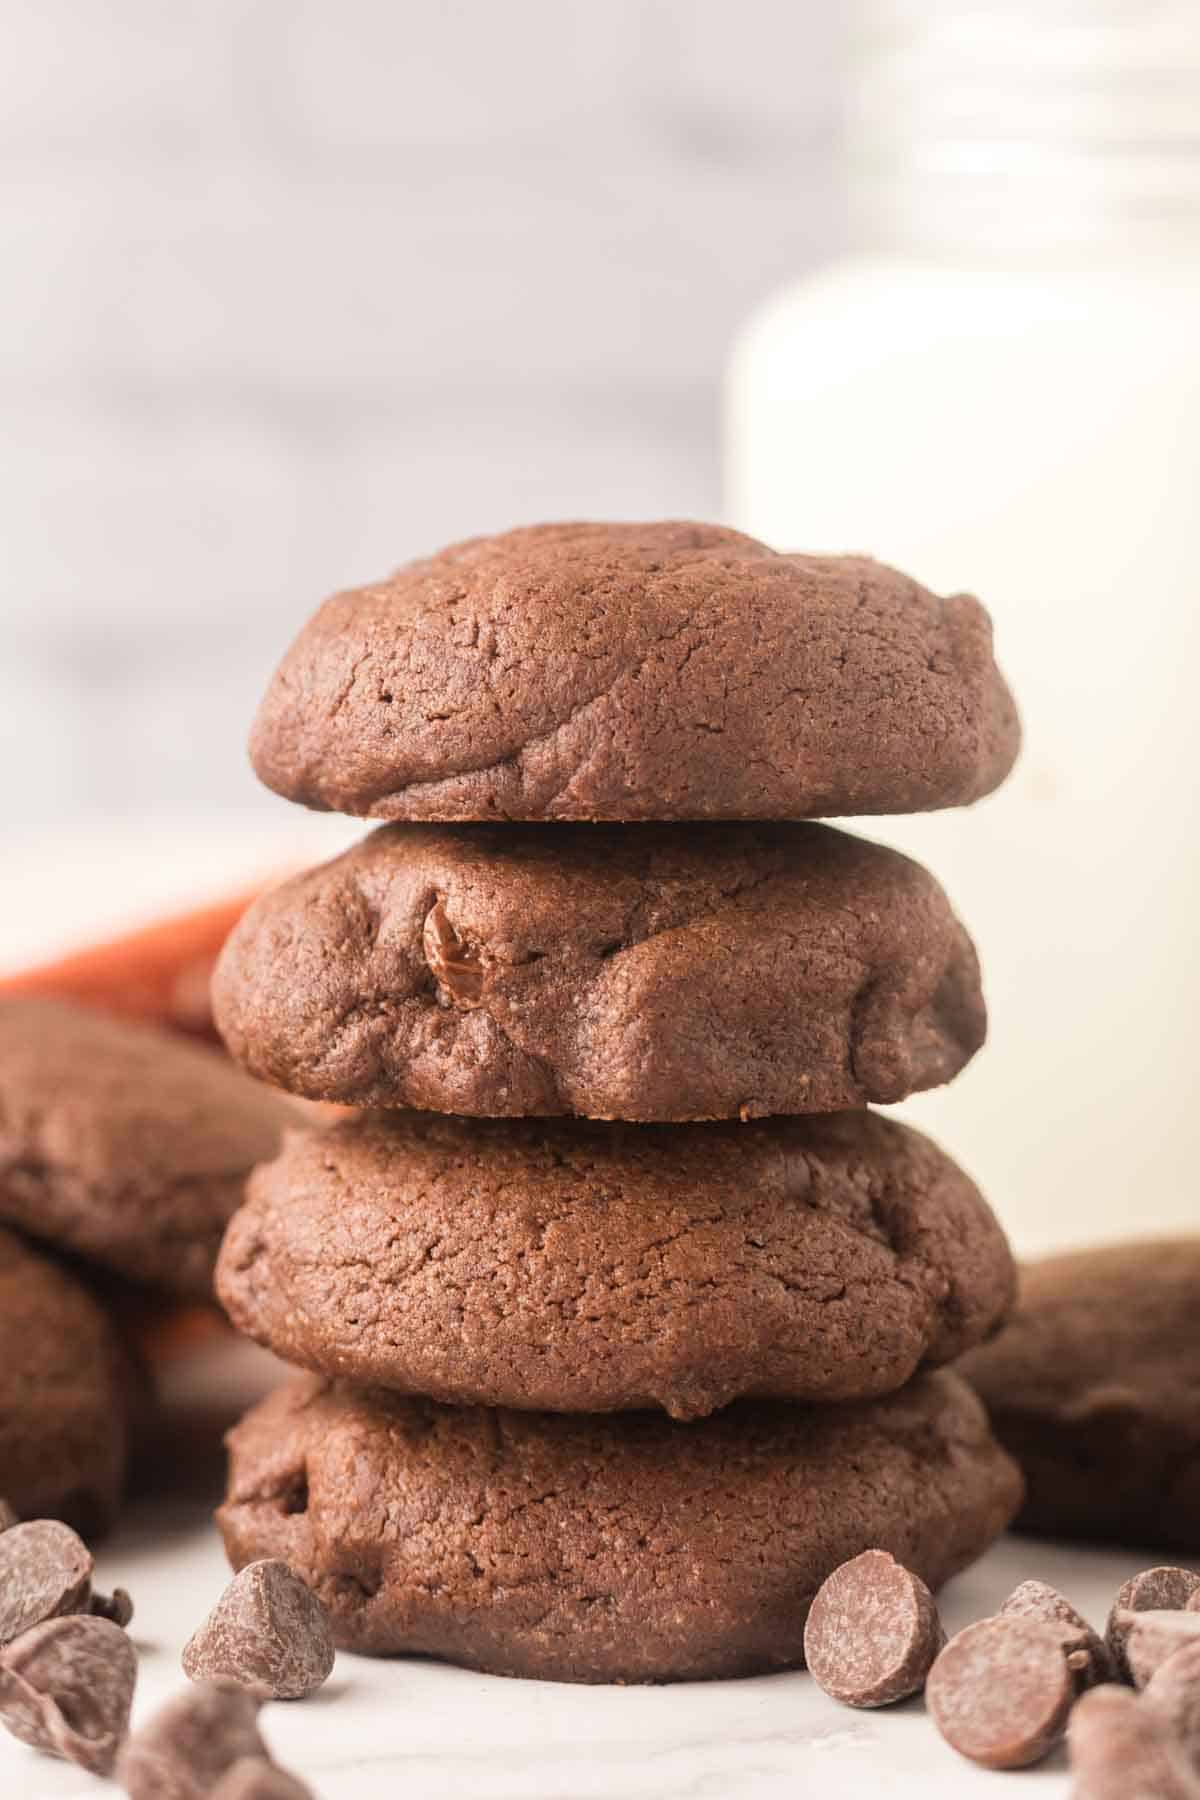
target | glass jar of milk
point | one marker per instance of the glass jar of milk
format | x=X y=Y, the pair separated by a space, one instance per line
x=1004 y=396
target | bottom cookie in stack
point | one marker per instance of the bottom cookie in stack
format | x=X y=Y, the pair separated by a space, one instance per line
x=631 y=1547
x=548 y=1282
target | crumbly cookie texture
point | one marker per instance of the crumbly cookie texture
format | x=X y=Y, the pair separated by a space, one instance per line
x=667 y=670
x=650 y=972
x=629 y=1548
x=594 y=1268
x=1094 y=1386
x=124 y=1144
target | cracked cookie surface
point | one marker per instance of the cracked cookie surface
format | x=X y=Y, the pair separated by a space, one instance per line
x=595 y=1268
x=667 y=670
x=124 y=1144
x=645 y=972
x=629 y=1548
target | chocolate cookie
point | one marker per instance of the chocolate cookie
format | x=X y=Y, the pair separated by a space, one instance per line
x=653 y=671
x=593 y=1268
x=621 y=1549
x=64 y=1394
x=1094 y=1387
x=650 y=972
x=124 y=1144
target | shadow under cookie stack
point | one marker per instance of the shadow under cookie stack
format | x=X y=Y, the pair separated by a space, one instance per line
x=622 y=1314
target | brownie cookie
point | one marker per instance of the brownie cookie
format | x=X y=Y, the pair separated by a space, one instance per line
x=620 y=1549
x=124 y=1144
x=65 y=1387
x=1094 y=1387
x=648 y=972
x=650 y=671
x=593 y=1268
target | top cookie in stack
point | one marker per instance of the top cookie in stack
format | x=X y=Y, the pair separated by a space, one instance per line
x=601 y=897
x=622 y=672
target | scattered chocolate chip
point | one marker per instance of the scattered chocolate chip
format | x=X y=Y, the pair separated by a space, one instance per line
x=1152 y=1637
x=1121 y=1750
x=8 y=1517
x=1038 y=1600
x=267 y=1630
x=1173 y=1693
x=254 y=1779
x=45 y=1572
x=67 y=1686
x=873 y=1631
x=116 y=1606
x=191 y=1743
x=1002 y=1690
x=1164 y=1588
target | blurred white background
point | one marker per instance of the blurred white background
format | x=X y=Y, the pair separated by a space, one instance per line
x=295 y=290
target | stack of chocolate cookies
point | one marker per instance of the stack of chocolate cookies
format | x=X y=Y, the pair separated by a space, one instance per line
x=621 y=1310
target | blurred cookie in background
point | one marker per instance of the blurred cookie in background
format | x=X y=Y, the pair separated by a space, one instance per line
x=123 y=1144
x=1094 y=1388
x=69 y=1393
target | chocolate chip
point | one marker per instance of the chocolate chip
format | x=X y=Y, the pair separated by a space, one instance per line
x=1162 y=1588
x=1002 y=1690
x=254 y=1779
x=1038 y=1600
x=118 y=1607
x=458 y=975
x=1152 y=1637
x=45 y=1572
x=267 y=1630
x=191 y=1743
x=67 y=1686
x=873 y=1631
x=8 y=1517
x=1173 y=1693
x=1121 y=1750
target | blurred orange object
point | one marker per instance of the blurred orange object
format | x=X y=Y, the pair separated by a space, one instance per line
x=164 y=1332
x=158 y=973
